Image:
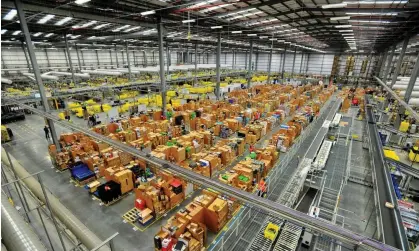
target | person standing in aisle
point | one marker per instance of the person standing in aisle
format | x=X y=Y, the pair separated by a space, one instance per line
x=46 y=130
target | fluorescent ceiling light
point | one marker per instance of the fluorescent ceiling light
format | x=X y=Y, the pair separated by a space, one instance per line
x=37 y=34
x=215 y=7
x=371 y=14
x=188 y=21
x=370 y=21
x=345 y=30
x=3 y=31
x=74 y=37
x=272 y=39
x=100 y=26
x=63 y=21
x=252 y=35
x=377 y=2
x=49 y=34
x=286 y=42
x=133 y=28
x=236 y=32
x=46 y=19
x=146 y=13
x=262 y=37
x=79 y=2
x=336 y=5
x=16 y=33
x=121 y=28
x=340 y=18
x=348 y=34
x=84 y=25
x=216 y=27
x=343 y=26
x=9 y=16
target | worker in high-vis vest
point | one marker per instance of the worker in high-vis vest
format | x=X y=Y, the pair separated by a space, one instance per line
x=262 y=188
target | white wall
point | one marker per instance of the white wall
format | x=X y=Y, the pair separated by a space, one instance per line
x=14 y=58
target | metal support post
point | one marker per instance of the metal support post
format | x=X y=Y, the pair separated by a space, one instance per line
x=123 y=58
x=256 y=60
x=186 y=56
x=225 y=58
x=3 y=175
x=129 y=61
x=207 y=58
x=78 y=56
x=399 y=62
x=217 y=66
x=270 y=63
x=390 y=60
x=26 y=56
x=301 y=63
x=70 y=62
x=168 y=63
x=46 y=55
x=110 y=56
x=116 y=55
x=245 y=61
x=19 y=191
x=383 y=64
x=145 y=58
x=196 y=63
x=249 y=73
x=45 y=228
x=37 y=72
x=283 y=64
x=293 y=61
x=161 y=62
x=97 y=58
x=49 y=208
x=135 y=60
x=412 y=81
x=233 y=63
x=307 y=59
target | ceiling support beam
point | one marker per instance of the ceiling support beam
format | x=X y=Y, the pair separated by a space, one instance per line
x=26 y=56
x=217 y=66
x=70 y=62
x=77 y=14
x=268 y=81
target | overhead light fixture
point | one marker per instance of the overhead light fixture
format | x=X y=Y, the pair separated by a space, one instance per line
x=333 y=6
x=146 y=13
x=46 y=19
x=252 y=35
x=370 y=21
x=100 y=26
x=16 y=33
x=216 y=27
x=63 y=21
x=9 y=16
x=79 y=2
x=76 y=36
x=188 y=21
x=372 y=14
x=272 y=39
x=133 y=28
x=376 y=2
x=3 y=31
x=85 y=25
x=281 y=41
x=349 y=37
x=263 y=37
x=287 y=42
x=340 y=18
x=92 y=37
x=236 y=32
x=49 y=34
x=345 y=30
x=37 y=34
x=343 y=26
x=121 y=28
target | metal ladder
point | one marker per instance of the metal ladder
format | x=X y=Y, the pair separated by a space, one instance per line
x=260 y=242
x=289 y=238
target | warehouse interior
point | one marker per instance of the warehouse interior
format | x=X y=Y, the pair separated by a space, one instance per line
x=193 y=125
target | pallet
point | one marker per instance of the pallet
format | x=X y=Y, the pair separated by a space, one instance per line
x=84 y=182
x=131 y=215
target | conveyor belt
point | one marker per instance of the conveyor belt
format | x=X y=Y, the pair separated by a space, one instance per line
x=260 y=242
x=404 y=167
x=246 y=198
x=289 y=238
x=312 y=151
x=391 y=221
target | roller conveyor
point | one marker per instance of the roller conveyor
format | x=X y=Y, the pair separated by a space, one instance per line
x=260 y=242
x=323 y=155
x=289 y=238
